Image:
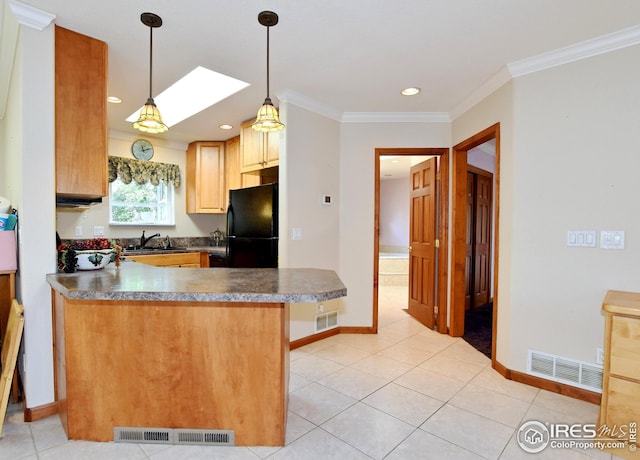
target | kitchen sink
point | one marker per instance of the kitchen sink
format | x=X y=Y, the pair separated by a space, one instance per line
x=141 y=250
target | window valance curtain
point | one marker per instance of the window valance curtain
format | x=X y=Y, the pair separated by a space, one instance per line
x=129 y=169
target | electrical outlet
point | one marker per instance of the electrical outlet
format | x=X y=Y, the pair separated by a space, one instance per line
x=599 y=356
x=78 y=230
x=319 y=309
x=98 y=230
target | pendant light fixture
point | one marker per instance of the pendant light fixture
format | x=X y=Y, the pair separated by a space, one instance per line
x=267 y=119
x=150 y=120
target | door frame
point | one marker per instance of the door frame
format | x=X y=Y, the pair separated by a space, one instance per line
x=458 y=231
x=443 y=225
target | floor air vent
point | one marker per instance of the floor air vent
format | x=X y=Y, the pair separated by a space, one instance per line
x=174 y=436
x=143 y=435
x=571 y=372
x=205 y=437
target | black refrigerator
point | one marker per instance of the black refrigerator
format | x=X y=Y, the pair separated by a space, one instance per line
x=252 y=227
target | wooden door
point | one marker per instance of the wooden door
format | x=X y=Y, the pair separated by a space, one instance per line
x=482 y=240
x=478 y=238
x=468 y=279
x=422 y=242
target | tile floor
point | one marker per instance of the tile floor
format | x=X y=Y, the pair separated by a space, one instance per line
x=405 y=393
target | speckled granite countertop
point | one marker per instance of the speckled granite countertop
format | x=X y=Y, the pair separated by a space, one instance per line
x=135 y=281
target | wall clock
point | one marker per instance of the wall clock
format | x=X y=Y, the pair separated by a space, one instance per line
x=142 y=149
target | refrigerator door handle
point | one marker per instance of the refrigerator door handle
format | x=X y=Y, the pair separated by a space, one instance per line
x=229 y=227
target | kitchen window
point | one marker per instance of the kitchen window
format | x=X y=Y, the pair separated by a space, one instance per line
x=141 y=193
x=146 y=204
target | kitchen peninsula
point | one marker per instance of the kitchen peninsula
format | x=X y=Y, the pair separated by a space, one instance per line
x=139 y=346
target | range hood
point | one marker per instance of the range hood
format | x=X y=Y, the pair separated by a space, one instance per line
x=76 y=202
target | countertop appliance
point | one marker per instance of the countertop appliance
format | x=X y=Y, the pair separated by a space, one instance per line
x=252 y=227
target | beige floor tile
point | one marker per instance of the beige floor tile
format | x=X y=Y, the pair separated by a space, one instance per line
x=407 y=354
x=318 y=403
x=369 y=430
x=581 y=411
x=501 y=408
x=408 y=405
x=354 y=383
x=421 y=445
x=489 y=378
x=430 y=383
x=314 y=368
x=318 y=444
x=342 y=354
x=462 y=351
x=382 y=366
x=473 y=432
x=452 y=367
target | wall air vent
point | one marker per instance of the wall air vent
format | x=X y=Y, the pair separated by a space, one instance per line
x=564 y=370
x=141 y=435
x=326 y=321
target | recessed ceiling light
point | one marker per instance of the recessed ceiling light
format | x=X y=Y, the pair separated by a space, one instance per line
x=395 y=161
x=114 y=99
x=199 y=89
x=410 y=91
x=225 y=127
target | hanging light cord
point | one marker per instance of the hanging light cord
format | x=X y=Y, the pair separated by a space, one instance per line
x=150 y=60
x=268 y=61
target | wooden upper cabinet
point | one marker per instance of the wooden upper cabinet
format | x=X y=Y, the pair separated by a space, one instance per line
x=206 y=192
x=258 y=150
x=232 y=165
x=81 y=115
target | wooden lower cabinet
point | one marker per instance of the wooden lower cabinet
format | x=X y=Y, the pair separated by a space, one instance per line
x=620 y=405
x=172 y=364
x=183 y=259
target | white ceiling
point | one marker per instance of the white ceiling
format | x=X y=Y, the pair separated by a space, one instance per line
x=343 y=57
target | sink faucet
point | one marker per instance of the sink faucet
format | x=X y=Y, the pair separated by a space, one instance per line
x=144 y=240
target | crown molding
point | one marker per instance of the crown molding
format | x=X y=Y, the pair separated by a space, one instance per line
x=486 y=89
x=586 y=49
x=395 y=117
x=292 y=97
x=29 y=16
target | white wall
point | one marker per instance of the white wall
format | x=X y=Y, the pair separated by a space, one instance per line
x=309 y=169
x=358 y=142
x=568 y=162
x=394 y=213
x=576 y=167
x=186 y=225
x=28 y=156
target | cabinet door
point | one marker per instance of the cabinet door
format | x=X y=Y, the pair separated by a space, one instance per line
x=251 y=148
x=232 y=165
x=205 y=178
x=81 y=114
x=272 y=149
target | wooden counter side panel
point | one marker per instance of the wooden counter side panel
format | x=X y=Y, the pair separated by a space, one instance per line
x=176 y=365
x=60 y=360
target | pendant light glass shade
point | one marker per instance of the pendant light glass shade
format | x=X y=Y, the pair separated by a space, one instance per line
x=150 y=120
x=268 y=118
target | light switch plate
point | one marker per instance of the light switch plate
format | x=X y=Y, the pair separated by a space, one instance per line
x=612 y=239
x=581 y=238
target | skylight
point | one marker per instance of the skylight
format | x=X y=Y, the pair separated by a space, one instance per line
x=199 y=89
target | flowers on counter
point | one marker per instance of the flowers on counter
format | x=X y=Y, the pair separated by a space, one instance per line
x=90 y=254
